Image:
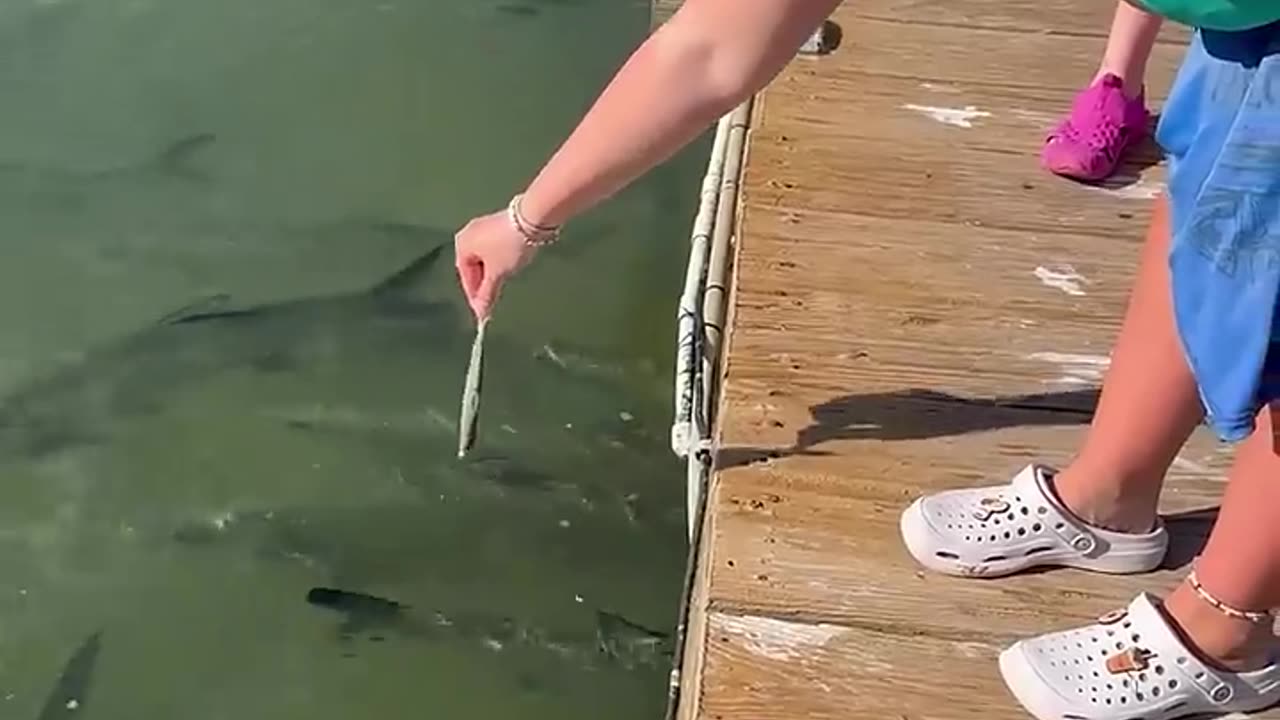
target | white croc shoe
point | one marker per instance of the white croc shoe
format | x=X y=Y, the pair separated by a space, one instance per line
x=1130 y=665
x=995 y=531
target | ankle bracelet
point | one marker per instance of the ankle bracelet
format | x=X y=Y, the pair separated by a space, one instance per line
x=534 y=234
x=1252 y=616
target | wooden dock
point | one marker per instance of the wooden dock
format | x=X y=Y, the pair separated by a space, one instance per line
x=661 y=10
x=916 y=306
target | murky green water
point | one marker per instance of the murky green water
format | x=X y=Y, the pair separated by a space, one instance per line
x=176 y=475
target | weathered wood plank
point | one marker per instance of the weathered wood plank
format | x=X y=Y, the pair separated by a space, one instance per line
x=797 y=538
x=1088 y=21
x=662 y=10
x=965 y=56
x=764 y=668
x=865 y=303
x=917 y=306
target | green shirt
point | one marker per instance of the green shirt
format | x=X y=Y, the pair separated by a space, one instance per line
x=1217 y=14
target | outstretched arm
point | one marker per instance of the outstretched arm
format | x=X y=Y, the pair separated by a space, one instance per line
x=710 y=56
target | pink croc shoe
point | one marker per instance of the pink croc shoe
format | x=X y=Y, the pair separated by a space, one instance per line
x=1103 y=123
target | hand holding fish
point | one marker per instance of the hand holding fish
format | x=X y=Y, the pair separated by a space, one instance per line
x=491 y=248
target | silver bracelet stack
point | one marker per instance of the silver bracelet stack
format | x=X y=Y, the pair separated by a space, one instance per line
x=535 y=235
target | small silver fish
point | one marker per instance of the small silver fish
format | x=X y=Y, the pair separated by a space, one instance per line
x=471 y=393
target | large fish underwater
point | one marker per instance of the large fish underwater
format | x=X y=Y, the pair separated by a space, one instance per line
x=84 y=401
x=412 y=313
x=165 y=210
x=122 y=464
x=612 y=639
x=541 y=405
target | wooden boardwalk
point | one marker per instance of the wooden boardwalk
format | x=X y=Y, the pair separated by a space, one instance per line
x=917 y=306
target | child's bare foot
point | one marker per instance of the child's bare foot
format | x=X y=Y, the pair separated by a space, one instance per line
x=1104 y=501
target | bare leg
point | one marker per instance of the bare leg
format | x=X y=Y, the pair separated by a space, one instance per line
x=1148 y=408
x=1133 y=35
x=1241 y=563
x=1135 y=664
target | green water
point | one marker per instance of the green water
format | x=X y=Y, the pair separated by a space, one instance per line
x=180 y=488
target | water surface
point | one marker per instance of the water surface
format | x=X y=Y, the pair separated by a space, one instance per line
x=178 y=474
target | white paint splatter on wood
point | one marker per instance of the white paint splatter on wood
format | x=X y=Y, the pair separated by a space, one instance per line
x=939 y=88
x=959 y=117
x=1131 y=188
x=1062 y=277
x=1077 y=369
x=777 y=639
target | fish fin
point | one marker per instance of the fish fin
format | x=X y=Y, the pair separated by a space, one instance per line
x=624 y=626
x=628 y=641
x=203 y=305
x=176 y=159
x=215 y=315
x=213 y=307
x=410 y=277
x=72 y=687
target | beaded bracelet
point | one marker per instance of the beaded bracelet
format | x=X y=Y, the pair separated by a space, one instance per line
x=1253 y=616
x=534 y=234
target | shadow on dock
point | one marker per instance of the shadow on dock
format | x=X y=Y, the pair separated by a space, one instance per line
x=918 y=414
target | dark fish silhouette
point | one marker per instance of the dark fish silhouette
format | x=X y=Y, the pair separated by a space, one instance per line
x=69 y=694
x=83 y=403
x=615 y=640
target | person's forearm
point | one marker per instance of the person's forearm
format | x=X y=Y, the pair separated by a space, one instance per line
x=689 y=73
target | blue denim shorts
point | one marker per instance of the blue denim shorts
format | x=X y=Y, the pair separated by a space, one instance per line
x=1221 y=131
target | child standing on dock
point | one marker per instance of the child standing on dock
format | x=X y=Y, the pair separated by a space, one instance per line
x=1109 y=117
x=1200 y=341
